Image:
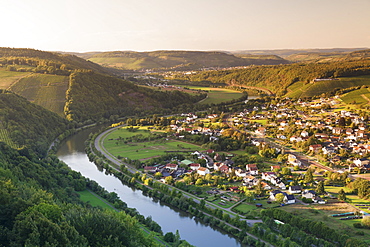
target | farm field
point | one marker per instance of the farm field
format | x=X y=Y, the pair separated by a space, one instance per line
x=217 y=95
x=48 y=91
x=360 y=96
x=118 y=143
x=299 y=89
x=323 y=213
x=7 y=78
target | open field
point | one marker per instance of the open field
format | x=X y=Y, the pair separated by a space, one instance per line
x=94 y=200
x=217 y=95
x=117 y=144
x=322 y=213
x=7 y=78
x=48 y=91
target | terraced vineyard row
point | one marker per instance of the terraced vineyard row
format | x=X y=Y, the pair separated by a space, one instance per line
x=4 y=137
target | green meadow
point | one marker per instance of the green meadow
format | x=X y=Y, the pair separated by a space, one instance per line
x=217 y=95
x=7 y=78
x=118 y=143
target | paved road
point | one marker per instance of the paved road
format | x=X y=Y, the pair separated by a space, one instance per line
x=98 y=145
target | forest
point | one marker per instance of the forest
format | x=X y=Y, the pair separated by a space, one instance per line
x=92 y=96
x=30 y=126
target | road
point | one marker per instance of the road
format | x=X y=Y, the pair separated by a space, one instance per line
x=100 y=147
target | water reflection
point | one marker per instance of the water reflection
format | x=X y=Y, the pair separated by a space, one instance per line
x=196 y=233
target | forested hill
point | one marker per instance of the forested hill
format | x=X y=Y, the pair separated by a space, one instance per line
x=177 y=60
x=92 y=96
x=278 y=77
x=22 y=59
x=39 y=206
x=24 y=125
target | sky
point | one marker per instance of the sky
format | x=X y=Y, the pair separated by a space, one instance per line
x=205 y=25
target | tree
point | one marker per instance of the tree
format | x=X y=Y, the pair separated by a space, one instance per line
x=366 y=221
x=342 y=195
x=259 y=189
x=169 y=180
x=280 y=197
x=320 y=189
x=308 y=177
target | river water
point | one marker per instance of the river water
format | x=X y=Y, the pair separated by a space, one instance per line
x=72 y=153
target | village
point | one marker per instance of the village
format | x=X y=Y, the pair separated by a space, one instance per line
x=302 y=150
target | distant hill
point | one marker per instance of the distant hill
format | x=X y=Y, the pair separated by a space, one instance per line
x=21 y=59
x=176 y=60
x=79 y=90
x=284 y=53
x=280 y=78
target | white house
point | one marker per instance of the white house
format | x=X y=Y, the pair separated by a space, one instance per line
x=295 y=189
x=203 y=171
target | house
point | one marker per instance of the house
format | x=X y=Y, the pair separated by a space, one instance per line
x=295 y=189
x=361 y=162
x=309 y=194
x=315 y=148
x=304 y=133
x=261 y=131
x=252 y=168
x=224 y=168
x=268 y=175
x=337 y=130
x=203 y=171
x=273 y=194
x=281 y=185
x=172 y=166
x=240 y=173
x=150 y=169
x=194 y=166
x=289 y=199
x=292 y=159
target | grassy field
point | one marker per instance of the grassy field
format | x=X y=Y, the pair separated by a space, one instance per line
x=217 y=95
x=323 y=212
x=95 y=200
x=142 y=150
x=49 y=91
x=7 y=78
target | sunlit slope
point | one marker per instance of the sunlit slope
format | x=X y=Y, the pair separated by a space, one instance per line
x=178 y=60
x=301 y=90
x=48 y=91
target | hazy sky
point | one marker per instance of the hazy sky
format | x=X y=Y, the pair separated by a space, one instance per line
x=145 y=25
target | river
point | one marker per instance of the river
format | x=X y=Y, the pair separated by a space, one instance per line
x=72 y=153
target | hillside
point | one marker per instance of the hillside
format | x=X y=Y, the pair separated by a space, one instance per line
x=177 y=60
x=26 y=125
x=285 y=53
x=92 y=96
x=39 y=206
x=22 y=59
x=279 y=77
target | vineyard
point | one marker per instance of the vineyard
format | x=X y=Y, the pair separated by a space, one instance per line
x=4 y=137
x=48 y=91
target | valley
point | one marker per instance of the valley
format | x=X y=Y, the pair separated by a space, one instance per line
x=192 y=137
